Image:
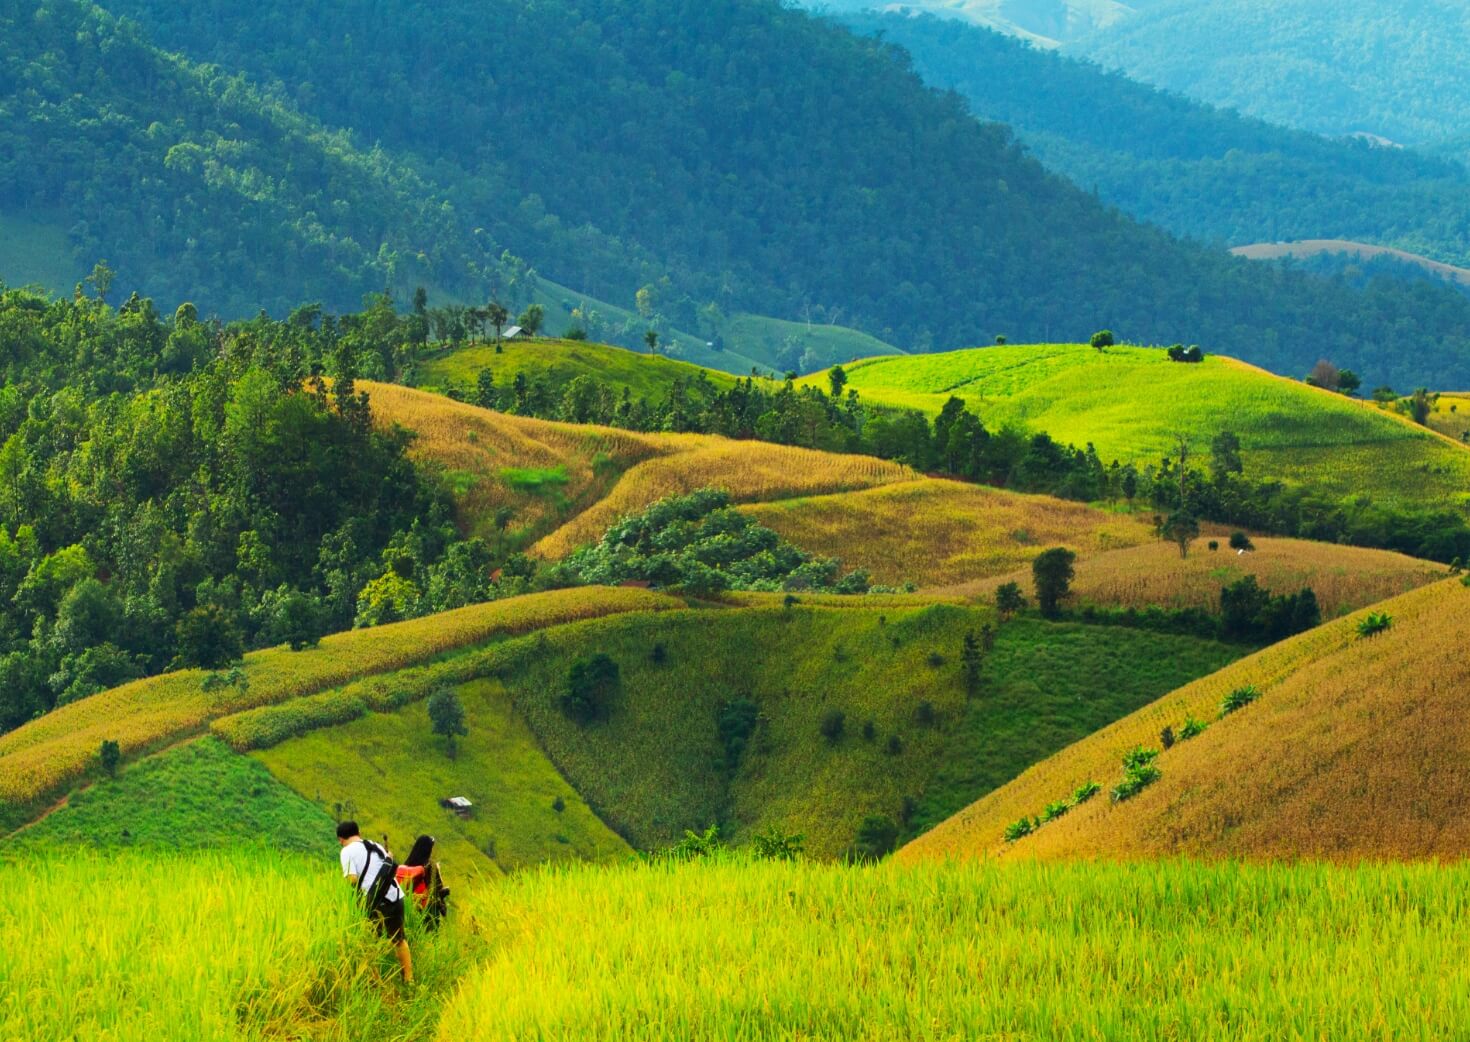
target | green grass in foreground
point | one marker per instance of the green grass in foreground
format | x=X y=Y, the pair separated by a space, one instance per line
x=1152 y=951
x=244 y=944
x=1047 y=685
x=734 y=950
x=1130 y=402
x=197 y=795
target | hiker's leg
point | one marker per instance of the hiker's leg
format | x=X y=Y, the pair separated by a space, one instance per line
x=405 y=960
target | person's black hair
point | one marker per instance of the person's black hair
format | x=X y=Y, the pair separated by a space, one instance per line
x=423 y=849
x=347 y=830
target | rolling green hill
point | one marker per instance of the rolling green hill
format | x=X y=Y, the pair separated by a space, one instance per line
x=558 y=362
x=1132 y=402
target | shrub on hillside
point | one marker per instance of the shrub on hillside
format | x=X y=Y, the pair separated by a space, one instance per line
x=1239 y=699
x=1192 y=729
x=1139 y=772
x=592 y=685
x=1055 y=810
x=1009 y=599
x=1086 y=791
x=110 y=755
x=1019 y=829
x=736 y=722
x=695 y=846
x=876 y=838
x=446 y=716
x=1374 y=623
x=771 y=844
x=834 y=724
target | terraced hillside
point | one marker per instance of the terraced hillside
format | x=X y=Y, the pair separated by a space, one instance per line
x=935 y=532
x=1132 y=402
x=52 y=753
x=1355 y=748
x=1344 y=578
x=566 y=483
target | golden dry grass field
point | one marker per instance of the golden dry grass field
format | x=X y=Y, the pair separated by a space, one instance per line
x=751 y=471
x=567 y=483
x=1357 y=748
x=49 y=754
x=1344 y=578
x=935 y=532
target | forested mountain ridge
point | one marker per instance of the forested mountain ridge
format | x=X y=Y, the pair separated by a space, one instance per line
x=837 y=184
x=196 y=185
x=1193 y=169
x=1392 y=68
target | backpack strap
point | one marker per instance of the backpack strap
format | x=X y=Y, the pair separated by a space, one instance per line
x=375 y=893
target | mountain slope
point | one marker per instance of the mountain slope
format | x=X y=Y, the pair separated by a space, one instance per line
x=757 y=183
x=1355 y=749
x=1193 y=169
x=1394 y=69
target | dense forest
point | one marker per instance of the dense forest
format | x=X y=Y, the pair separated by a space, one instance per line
x=1393 y=68
x=1193 y=169
x=834 y=184
x=173 y=492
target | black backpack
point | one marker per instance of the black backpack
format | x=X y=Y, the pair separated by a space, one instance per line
x=376 y=895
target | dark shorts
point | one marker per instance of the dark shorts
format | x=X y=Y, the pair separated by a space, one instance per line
x=388 y=918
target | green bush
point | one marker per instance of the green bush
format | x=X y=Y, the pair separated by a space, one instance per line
x=876 y=838
x=1374 y=623
x=1018 y=829
x=771 y=844
x=1192 y=729
x=1239 y=699
x=1139 y=773
x=1086 y=791
x=834 y=724
x=1055 y=810
x=736 y=722
x=592 y=685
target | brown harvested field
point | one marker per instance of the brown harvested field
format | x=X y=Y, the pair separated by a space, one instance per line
x=1358 y=748
x=935 y=532
x=751 y=471
x=1344 y=578
x=566 y=482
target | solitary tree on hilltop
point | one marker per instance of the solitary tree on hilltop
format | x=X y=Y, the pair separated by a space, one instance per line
x=651 y=339
x=1052 y=571
x=1102 y=339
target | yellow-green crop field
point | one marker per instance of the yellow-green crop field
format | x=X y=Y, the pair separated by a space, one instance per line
x=935 y=532
x=1355 y=747
x=560 y=361
x=741 y=950
x=1344 y=578
x=1131 y=402
x=55 y=751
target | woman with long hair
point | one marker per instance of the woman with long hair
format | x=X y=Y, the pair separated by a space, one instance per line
x=419 y=875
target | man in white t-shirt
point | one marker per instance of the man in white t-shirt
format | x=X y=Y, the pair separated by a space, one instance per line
x=363 y=863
